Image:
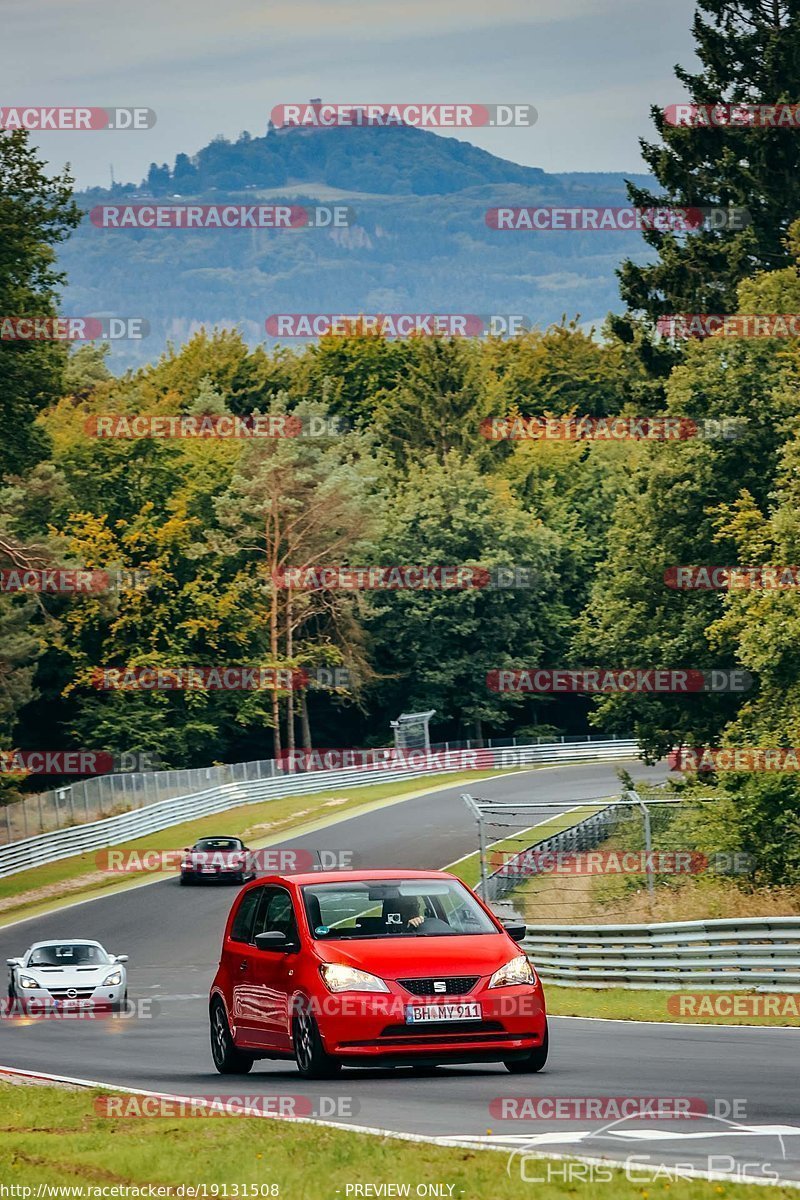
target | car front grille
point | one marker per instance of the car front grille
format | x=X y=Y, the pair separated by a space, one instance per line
x=454 y=985
x=71 y=993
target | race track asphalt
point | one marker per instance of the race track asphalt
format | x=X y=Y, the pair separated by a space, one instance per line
x=172 y=936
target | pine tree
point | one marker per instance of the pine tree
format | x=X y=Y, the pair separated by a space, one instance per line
x=37 y=212
x=750 y=54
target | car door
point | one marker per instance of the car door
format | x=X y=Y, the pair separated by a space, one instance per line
x=271 y=973
x=238 y=955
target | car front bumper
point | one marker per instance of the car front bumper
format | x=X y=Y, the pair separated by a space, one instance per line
x=362 y=1026
x=40 y=1001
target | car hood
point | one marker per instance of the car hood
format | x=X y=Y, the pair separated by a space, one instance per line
x=408 y=957
x=82 y=977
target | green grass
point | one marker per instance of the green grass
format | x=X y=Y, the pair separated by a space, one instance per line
x=469 y=869
x=53 y=1136
x=635 y=1005
x=43 y=888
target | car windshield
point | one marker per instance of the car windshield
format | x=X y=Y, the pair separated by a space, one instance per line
x=393 y=908
x=68 y=954
x=218 y=844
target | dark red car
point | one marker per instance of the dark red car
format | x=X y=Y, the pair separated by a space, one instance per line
x=372 y=968
x=216 y=858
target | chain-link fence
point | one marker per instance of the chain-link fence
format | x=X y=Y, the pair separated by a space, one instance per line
x=597 y=860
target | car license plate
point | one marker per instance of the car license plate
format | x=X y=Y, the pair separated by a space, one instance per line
x=418 y=1014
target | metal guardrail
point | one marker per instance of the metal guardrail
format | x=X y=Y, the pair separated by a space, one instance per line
x=99 y=796
x=745 y=952
x=127 y=826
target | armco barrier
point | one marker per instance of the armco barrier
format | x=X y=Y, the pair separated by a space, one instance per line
x=746 y=952
x=62 y=843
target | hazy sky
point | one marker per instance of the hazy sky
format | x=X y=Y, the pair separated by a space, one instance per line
x=591 y=68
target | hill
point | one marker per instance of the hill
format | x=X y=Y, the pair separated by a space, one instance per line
x=420 y=242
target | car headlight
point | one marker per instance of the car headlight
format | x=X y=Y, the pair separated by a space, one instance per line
x=519 y=970
x=113 y=979
x=340 y=978
x=27 y=981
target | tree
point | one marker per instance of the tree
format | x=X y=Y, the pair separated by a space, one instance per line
x=750 y=54
x=439 y=404
x=36 y=213
x=85 y=368
x=436 y=647
x=299 y=502
x=667 y=516
x=158 y=180
x=561 y=369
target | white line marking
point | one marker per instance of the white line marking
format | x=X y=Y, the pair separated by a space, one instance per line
x=670 y=1024
x=454 y=1140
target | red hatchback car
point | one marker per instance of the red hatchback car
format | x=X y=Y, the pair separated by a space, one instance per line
x=372 y=968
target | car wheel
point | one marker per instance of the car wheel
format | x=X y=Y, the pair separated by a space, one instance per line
x=12 y=991
x=239 y=879
x=121 y=1004
x=185 y=880
x=227 y=1059
x=425 y=1068
x=533 y=1062
x=309 y=1053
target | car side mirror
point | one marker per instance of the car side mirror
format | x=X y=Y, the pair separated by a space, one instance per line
x=515 y=931
x=14 y=962
x=120 y=958
x=274 y=939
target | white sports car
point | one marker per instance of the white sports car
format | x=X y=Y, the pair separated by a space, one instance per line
x=69 y=973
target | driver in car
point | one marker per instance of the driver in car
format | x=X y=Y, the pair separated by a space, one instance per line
x=405 y=912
